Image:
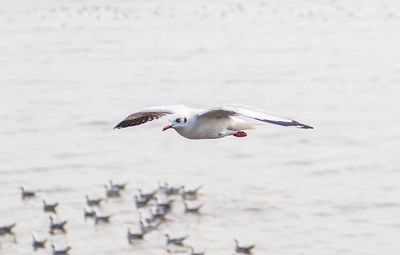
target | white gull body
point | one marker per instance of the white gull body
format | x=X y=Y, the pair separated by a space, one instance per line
x=216 y=122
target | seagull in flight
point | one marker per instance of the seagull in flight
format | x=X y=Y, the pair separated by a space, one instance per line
x=216 y=122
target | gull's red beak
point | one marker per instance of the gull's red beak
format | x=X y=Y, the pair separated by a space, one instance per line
x=167 y=127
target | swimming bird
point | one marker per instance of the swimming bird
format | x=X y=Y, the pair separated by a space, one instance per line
x=158 y=212
x=243 y=249
x=49 y=207
x=146 y=195
x=146 y=227
x=36 y=243
x=26 y=193
x=169 y=190
x=93 y=202
x=120 y=186
x=164 y=206
x=60 y=252
x=8 y=229
x=101 y=218
x=175 y=241
x=110 y=192
x=134 y=236
x=216 y=122
x=192 y=192
x=57 y=225
x=88 y=214
x=140 y=202
x=195 y=209
x=195 y=253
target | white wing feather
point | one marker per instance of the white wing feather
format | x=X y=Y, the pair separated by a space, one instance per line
x=224 y=111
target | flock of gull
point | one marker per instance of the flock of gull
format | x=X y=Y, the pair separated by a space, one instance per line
x=157 y=204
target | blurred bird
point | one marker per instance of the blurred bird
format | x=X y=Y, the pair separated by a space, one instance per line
x=175 y=241
x=195 y=253
x=60 y=252
x=168 y=189
x=141 y=202
x=134 y=236
x=93 y=202
x=146 y=195
x=57 y=225
x=192 y=209
x=36 y=243
x=88 y=214
x=26 y=193
x=49 y=207
x=191 y=193
x=110 y=192
x=244 y=249
x=101 y=218
x=146 y=227
x=8 y=229
x=117 y=186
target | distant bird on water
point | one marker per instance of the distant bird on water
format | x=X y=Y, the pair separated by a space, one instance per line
x=216 y=122
x=112 y=192
x=192 y=252
x=36 y=243
x=119 y=186
x=57 y=225
x=134 y=236
x=175 y=241
x=49 y=207
x=192 y=209
x=7 y=229
x=93 y=202
x=101 y=218
x=26 y=193
x=60 y=252
x=243 y=249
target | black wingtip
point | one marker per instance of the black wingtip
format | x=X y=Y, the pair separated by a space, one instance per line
x=306 y=127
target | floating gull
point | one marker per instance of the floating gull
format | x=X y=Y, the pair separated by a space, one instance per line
x=168 y=189
x=216 y=122
x=60 y=252
x=134 y=236
x=244 y=249
x=26 y=193
x=195 y=209
x=146 y=227
x=93 y=202
x=88 y=214
x=192 y=192
x=175 y=241
x=146 y=195
x=49 y=207
x=101 y=218
x=110 y=192
x=117 y=186
x=36 y=243
x=7 y=229
x=57 y=225
x=195 y=253
x=141 y=202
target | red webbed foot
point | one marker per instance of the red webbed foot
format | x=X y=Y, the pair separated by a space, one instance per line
x=240 y=134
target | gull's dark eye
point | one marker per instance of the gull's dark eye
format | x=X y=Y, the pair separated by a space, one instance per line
x=178 y=120
x=184 y=120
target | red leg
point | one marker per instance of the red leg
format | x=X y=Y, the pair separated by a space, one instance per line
x=240 y=134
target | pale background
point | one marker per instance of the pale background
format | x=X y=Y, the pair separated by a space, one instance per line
x=71 y=70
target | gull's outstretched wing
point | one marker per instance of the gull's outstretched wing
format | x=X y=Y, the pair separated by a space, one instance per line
x=224 y=111
x=149 y=114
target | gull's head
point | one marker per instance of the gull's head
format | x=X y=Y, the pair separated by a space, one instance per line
x=178 y=122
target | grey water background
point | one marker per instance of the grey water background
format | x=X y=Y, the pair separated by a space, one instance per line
x=70 y=70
